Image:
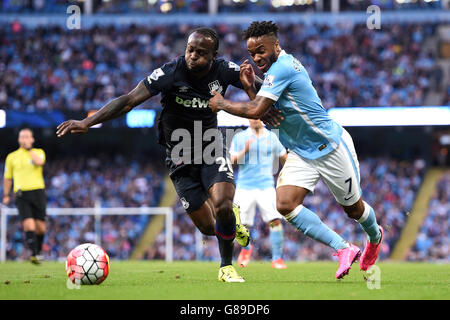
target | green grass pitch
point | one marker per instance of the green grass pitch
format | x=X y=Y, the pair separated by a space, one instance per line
x=158 y=280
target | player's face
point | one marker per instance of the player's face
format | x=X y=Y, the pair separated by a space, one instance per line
x=26 y=139
x=264 y=51
x=200 y=53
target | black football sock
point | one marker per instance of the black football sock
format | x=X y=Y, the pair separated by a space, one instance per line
x=40 y=241
x=31 y=242
x=225 y=233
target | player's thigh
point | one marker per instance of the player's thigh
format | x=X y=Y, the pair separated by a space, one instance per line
x=187 y=183
x=266 y=201
x=298 y=172
x=340 y=171
x=298 y=177
x=246 y=200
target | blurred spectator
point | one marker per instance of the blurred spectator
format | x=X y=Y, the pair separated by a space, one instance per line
x=83 y=69
x=432 y=242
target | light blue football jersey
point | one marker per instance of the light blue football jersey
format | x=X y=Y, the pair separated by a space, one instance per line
x=256 y=168
x=307 y=129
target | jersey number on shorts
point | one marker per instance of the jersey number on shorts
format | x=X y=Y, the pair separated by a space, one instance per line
x=224 y=163
x=349 y=180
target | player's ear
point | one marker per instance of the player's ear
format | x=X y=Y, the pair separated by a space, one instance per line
x=277 y=45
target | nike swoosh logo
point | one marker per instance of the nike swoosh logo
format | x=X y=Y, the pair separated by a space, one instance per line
x=348 y=198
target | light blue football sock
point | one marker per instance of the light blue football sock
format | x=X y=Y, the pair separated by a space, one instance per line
x=368 y=222
x=276 y=240
x=310 y=224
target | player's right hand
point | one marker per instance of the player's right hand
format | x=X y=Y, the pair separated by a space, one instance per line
x=5 y=200
x=71 y=126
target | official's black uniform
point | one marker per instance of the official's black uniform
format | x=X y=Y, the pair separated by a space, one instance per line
x=185 y=102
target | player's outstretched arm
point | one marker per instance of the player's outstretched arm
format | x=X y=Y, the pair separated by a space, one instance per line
x=111 y=110
x=254 y=109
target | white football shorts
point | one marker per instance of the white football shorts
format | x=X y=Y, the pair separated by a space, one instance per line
x=339 y=169
x=265 y=199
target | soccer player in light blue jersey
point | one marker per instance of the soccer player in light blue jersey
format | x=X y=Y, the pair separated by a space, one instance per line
x=318 y=147
x=258 y=152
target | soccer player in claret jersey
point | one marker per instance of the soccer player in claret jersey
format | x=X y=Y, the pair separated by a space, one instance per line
x=205 y=188
x=318 y=146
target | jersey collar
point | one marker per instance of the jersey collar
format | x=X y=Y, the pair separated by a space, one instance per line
x=252 y=133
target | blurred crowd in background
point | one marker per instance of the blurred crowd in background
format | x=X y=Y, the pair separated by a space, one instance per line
x=432 y=242
x=201 y=6
x=81 y=70
x=84 y=182
x=388 y=185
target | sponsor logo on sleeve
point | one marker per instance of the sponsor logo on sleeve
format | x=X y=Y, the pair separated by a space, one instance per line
x=268 y=81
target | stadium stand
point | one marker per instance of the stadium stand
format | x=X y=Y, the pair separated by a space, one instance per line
x=224 y=6
x=432 y=243
x=349 y=64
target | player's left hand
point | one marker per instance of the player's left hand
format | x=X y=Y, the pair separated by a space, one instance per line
x=215 y=101
x=247 y=74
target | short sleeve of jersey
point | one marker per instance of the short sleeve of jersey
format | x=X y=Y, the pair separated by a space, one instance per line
x=275 y=81
x=231 y=73
x=8 y=168
x=161 y=78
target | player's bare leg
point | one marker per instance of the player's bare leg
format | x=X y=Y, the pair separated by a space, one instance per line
x=290 y=205
x=365 y=216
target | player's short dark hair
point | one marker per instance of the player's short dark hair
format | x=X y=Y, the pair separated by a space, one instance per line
x=261 y=28
x=209 y=33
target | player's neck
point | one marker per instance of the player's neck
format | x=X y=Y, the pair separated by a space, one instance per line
x=257 y=131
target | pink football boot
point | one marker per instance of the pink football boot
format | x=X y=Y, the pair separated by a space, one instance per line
x=346 y=258
x=370 y=254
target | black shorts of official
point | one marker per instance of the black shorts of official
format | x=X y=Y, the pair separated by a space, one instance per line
x=31 y=204
x=193 y=181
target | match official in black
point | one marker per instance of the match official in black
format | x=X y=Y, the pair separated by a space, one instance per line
x=24 y=167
